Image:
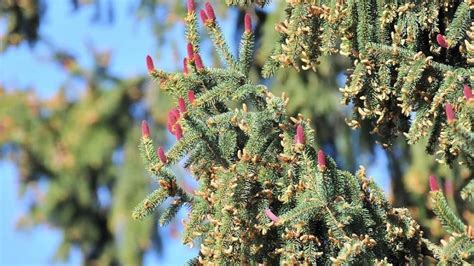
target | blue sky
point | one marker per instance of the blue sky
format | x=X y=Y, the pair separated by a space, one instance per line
x=130 y=41
x=22 y=67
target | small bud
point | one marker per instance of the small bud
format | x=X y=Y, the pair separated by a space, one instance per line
x=145 y=129
x=191 y=96
x=321 y=159
x=204 y=17
x=161 y=155
x=173 y=116
x=299 y=138
x=442 y=41
x=178 y=131
x=149 y=64
x=248 y=23
x=182 y=105
x=433 y=183
x=185 y=66
x=467 y=92
x=191 y=8
x=198 y=62
x=210 y=11
x=190 y=51
x=271 y=215
x=449 y=112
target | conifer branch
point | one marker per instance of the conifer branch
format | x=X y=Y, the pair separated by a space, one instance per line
x=265 y=194
x=400 y=40
x=449 y=220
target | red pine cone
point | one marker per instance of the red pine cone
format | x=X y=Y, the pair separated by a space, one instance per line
x=299 y=137
x=321 y=159
x=248 y=23
x=210 y=11
x=178 y=131
x=204 y=17
x=185 y=66
x=198 y=62
x=271 y=215
x=433 y=183
x=181 y=105
x=449 y=112
x=149 y=64
x=442 y=41
x=191 y=96
x=191 y=7
x=145 y=129
x=190 y=51
x=467 y=92
x=161 y=155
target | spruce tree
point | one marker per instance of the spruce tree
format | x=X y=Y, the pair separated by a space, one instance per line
x=266 y=194
x=311 y=94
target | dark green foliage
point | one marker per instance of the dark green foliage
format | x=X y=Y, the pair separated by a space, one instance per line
x=249 y=164
x=450 y=222
x=459 y=248
x=399 y=65
x=266 y=195
x=246 y=160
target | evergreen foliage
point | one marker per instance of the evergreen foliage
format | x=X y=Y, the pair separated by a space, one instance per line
x=408 y=78
x=266 y=194
x=408 y=60
x=459 y=247
x=323 y=105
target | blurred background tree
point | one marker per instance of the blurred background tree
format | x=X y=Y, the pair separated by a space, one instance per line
x=83 y=142
x=79 y=141
x=74 y=145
